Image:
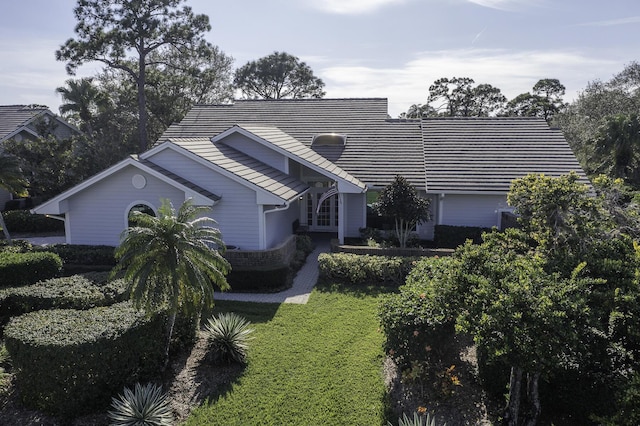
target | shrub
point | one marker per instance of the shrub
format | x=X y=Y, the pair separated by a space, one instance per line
x=27 y=268
x=304 y=244
x=260 y=280
x=70 y=362
x=228 y=336
x=416 y=420
x=446 y=236
x=78 y=254
x=24 y=221
x=417 y=329
x=145 y=405
x=364 y=269
x=74 y=292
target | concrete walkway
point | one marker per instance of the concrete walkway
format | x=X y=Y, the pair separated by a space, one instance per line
x=303 y=282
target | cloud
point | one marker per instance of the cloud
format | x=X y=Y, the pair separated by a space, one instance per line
x=352 y=7
x=507 y=5
x=612 y=22
x=513 y=72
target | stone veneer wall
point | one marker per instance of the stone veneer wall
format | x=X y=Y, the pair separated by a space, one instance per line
x=277 y=257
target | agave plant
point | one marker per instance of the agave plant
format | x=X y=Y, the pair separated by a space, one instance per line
x=144 y=406
x=417 y=420
x=228 y=336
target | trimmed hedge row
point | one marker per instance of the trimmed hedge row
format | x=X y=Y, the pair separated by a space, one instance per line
x=447 y=236
x=78 y=254
x=267 y=281
x=18 y=269
x=72 y=362
x=365 y=269
x=74 y=292
x=24 y=221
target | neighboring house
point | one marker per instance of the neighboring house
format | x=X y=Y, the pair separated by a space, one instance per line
x=265 y=166
x=26 y=122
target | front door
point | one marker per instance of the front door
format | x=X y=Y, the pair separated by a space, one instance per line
x=324 y=219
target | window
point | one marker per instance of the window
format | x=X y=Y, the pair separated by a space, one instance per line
x=329 y=139
x=143 y=208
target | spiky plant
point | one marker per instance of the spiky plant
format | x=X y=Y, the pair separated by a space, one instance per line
x=417 y=420
x=144 y=406
x=228 y=336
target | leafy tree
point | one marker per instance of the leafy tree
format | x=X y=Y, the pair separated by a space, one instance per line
x=616 y=148
x=400 y=200
x=82 y=101
x=12 y=180
x=109 y=30
x=278 y=76
x=461 y=99
x=169 y=262
x=419 y=111
x=545 y=101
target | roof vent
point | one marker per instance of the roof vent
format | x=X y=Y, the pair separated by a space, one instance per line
x=329 y=139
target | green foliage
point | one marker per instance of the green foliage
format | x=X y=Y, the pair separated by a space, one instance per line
x=447 y=236
x=228 y=335
x=70 y=362
x=74 y=292
x=546 y=101
x=27 y=268
x=278 y=76
x=24 y=221
x=364 y=269
x=108 y=30
x=416 y=420
x=304 y=244
x=79 y=254
x=260 y=280
x=461 y=99
x=399 y=200
x=145 y=405
x=616 y=148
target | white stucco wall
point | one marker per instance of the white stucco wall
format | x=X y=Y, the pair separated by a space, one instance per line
x=470 y=210
x=279 y=224
x=355 y=214
x=98 y=214
x=236 y=213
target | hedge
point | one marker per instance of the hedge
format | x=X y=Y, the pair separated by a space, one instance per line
x=24 y=221
x=74 y=292
x=78 y=254
x=447 y=236
x=27 y=268
x=265 y=280
x=71 y=362
x=364 y=269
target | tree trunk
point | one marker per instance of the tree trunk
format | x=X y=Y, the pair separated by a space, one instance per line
x=5 y=230
x=513 y=405
x=142 y=103
x=533 y=398
x=170 y=324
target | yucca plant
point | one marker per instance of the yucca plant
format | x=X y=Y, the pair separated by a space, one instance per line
x=144 y=406
x=228 y=336
x=417 y=420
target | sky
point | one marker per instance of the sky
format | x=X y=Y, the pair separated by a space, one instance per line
x=392 y=49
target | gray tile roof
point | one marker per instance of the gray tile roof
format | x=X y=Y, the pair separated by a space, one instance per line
x=244 y=167
x=486 y=154
x=179 y=179
x=13 y=117
x=377 y=148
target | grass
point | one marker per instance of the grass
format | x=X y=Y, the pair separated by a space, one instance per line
x=313 y=364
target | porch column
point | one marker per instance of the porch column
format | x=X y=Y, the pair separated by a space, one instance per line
x=341 y=216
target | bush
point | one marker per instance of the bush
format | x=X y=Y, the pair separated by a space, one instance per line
x=446 y=236
x=24 y=221
x=77 y=254
x=75 y=292
x=260 y=280
x=364 y=269
x=417 y=329
x=145 y=405
x=70 y=362
x=27 y=268
x=304 y=244
x=228 y=336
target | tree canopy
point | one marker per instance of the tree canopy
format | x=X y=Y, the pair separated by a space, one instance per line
x=123 y=35
x=278 y=76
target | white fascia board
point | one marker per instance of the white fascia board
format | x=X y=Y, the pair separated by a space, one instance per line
x=261 y=194
x=467 y=192
x=343 y=185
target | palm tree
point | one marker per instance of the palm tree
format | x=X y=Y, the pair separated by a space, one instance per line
x=82 y=99
x=12 y=180
x=173 y=261
x=617 y=146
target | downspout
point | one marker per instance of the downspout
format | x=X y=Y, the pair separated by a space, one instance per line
x=440 y=209
x=66 y=224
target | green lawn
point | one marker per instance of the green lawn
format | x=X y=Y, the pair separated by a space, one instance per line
x=313 y=364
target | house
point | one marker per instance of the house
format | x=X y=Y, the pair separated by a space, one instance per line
x=267 y=166
x=28 y=122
